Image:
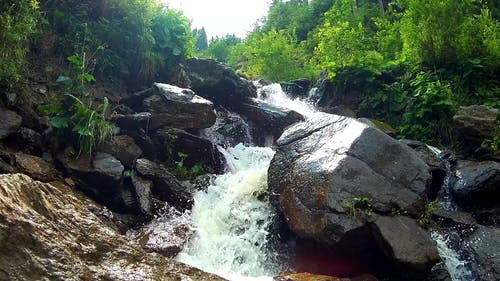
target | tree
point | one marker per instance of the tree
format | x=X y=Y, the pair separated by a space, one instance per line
x=201 y=40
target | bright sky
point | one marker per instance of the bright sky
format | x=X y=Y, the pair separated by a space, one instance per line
x=221 y=17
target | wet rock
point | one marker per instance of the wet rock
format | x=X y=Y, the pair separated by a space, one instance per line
x=474 y=124
x=436 y=164
x=107 y=166
x=124 y=148
x=229 y=129
x=48 y=233
x=199 y=151
x=298 y=88
x=29 y=140
x=145 y=142
x=165 y=185
x=35 y=167
x=134 y=100
x=11 y=121
x=143 y=189
x=339 y=110
x=308 y=277
x=268 y=120
x=101 y=178
x=177 y=107
x=331 y=94
x=215 y=82
x=166 y=234
x=439 y=273
x=133 y=122
x=477 y=183
x=326 y=164
x=485 y=242
x=407 y=244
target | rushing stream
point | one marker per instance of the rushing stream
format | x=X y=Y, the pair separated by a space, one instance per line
x=232 y=218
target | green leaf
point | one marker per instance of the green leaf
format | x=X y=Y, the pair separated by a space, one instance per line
x=60 y=122
x=65 y=80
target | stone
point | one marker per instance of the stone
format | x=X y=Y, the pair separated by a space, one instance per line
x=337 y=93
x=298 y=88
x=199 y=151
x=324 y=165
x=215 y=82
x=108 y=166
x=134 y=100
x=133 y=122
x=143 y=189
x=477 y=184
x=124 y=148
x=47 y=232
x=35 y=167
x=268 y=121
x=172 y=106
x=407 y=244
x=166 y=234
x=165 y=186
x=484 y=245
x=474 y=124
x=229 y=129
x=11 y=121
x=29 y=140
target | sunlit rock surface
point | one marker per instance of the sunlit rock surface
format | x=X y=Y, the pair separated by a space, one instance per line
x=48 y=233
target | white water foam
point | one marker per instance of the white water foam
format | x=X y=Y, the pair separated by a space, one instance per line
x=232 y=220
x=457 y=267
x=273 y=94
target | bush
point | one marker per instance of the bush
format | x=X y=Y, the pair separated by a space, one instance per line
x=18 y=21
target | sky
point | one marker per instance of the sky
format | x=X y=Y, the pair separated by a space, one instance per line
x=221 y=17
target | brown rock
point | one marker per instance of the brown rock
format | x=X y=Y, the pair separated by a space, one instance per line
x=35 y=167
x=48 y=233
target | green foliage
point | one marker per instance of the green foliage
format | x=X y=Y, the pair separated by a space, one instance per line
x=184 y=173
x=201 y=40
x=138 y=40
x=275 y=56
x=425 y=219
x=18 y=21
x=360 y=208
x=430 y=109
x=220 y=48
x=76 y=122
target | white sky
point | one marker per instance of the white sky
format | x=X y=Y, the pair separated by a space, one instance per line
x=221 y=17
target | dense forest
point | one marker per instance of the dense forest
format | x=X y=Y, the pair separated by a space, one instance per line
x=414 y=61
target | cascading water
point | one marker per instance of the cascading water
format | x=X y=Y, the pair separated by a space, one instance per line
x=233 y=216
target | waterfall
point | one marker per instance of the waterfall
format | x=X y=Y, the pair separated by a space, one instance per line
x=233 y=216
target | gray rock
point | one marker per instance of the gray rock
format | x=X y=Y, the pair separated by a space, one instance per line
x=407 y=244
x=165 y=186
x=485 y=242
x=477 y=183
x=48 y=232
x=268 y=120
x=143 y=191
x=11 y=121
x=229 y=130
x=297 y=88
x=30 y=140
x=108 y=166
x=177 y=107
x=215 y=82
x=133 y=122
x=474 y=124
x=322 y=165
x=124 y=148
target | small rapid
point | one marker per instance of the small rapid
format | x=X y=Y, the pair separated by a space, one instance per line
x=232 y=218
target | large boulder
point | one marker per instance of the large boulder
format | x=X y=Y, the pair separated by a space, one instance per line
x=165 y=186
x=101 y=178
x=11 y=121
x=407 y=244
x=330 y=173
x=177 y=107
x=268 y=121
x=474 y=124
x=484 y=244
x=215 y=82
x=477 y=184
x=47 y=232
x=199 y=151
